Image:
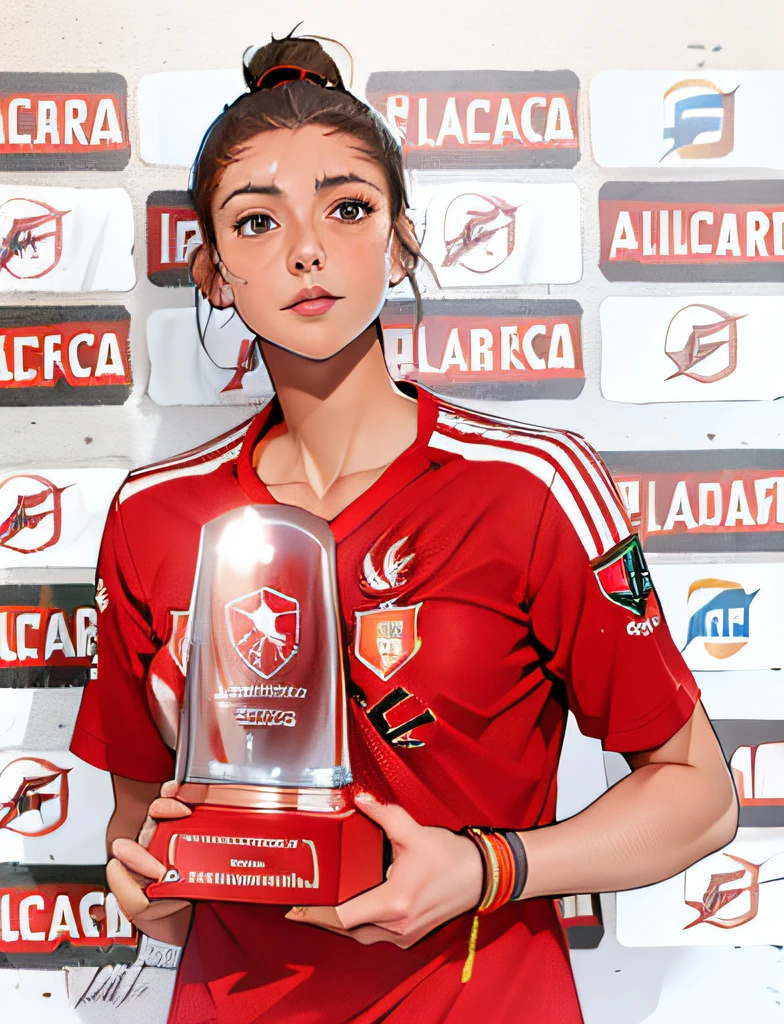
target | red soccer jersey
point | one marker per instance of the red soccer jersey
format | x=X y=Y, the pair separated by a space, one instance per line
x=516 y=592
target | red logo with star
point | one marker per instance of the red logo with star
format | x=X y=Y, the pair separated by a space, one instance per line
x=264 y=629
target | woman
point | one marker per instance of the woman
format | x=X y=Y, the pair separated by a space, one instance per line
x=502 y=548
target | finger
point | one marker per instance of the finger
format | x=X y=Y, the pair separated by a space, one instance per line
x=326 y=917
x=158 y=909
x=167 y=807
x=136 y=858
x=365 y=934
x=170 y=788
x=368 y=934
x=380 y=905
x=398 y=824
x=128 y=893
x=148 y=831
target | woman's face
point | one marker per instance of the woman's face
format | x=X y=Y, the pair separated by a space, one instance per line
x=302 y=224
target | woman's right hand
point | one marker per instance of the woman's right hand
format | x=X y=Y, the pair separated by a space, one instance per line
x=132 y=867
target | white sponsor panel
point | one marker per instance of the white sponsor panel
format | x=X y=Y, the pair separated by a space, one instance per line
x=65 y=239
x=724 y=616
x=177 y=107
x=42 y=718
x=689 y=348
x=54 y=808
x=482 y=234
x=741 y=695
x=684 y=119
x=15 y=708
x=734 y=897
x=183 y=373
x=54 y=517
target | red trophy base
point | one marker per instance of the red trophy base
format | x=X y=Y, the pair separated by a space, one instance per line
x=249 y=855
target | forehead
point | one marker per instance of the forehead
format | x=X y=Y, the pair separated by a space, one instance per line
x=298 y=158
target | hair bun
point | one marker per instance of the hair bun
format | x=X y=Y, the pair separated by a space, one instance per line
x=297 y=52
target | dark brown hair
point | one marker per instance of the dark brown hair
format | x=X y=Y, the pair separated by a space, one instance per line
x=293 y=103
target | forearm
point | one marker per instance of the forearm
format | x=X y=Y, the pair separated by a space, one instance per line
x=649 y=826
x=132 y=800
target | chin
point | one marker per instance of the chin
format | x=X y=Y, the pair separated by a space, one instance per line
x=315 y=352
x=314 y=344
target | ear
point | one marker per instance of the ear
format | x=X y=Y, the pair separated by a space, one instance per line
x=208 y=279
x=403 y=229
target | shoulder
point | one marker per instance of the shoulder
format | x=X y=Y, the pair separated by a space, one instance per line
x=560 y=461
x=193 y=469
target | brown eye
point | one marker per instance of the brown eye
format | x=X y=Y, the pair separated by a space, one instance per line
x=352 y=210
x=255 y=224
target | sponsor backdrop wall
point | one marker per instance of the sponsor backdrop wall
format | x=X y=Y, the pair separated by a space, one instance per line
x=601 y=191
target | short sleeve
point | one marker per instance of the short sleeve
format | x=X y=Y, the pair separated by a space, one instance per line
x=114 y=728
x=599 y=625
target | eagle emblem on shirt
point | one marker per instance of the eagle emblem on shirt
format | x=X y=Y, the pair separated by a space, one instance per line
x=387 y=637
x=264 y=629
x=386 y=566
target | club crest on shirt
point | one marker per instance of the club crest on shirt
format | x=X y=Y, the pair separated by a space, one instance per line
x=623 y=575
x=387 y=638
x=264 y=629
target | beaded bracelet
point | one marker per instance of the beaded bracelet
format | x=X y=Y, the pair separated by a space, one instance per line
x=505 y=866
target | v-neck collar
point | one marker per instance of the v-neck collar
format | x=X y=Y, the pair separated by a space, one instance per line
x=410 y=464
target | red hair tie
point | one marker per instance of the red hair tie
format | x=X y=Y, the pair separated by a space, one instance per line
x=283 y=73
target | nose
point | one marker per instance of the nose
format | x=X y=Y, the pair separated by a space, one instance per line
x=307 y=252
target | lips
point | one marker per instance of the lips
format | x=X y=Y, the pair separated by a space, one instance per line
x=310 y=295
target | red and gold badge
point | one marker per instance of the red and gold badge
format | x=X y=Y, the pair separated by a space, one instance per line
x=387 y=638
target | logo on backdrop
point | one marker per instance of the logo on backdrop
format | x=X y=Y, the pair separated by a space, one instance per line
x=172 y=234
x=503 y=349
x=61 y=355
x=33 y=796
x=63 y=121
x=692 y=231
x=479 y=232
x=759 y=774
x=699 y=120
x=31 y=238
x=36 y=636
x=704 y=337
x=480 y=118
x=38 y=920
x=264 y=629
x=30 y=513
x=724 y=889
x=719 y=616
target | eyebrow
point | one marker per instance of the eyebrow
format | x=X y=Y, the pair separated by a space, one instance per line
x=318 y=185
x=264 y=190
x=342 y=179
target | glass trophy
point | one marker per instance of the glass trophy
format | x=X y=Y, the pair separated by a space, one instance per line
x=262 y=751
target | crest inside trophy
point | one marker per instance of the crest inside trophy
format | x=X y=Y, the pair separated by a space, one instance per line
x=262 y=754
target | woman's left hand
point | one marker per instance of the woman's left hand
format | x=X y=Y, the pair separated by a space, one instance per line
x=435 y=875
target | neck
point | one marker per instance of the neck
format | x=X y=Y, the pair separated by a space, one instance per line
x=343 y=414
